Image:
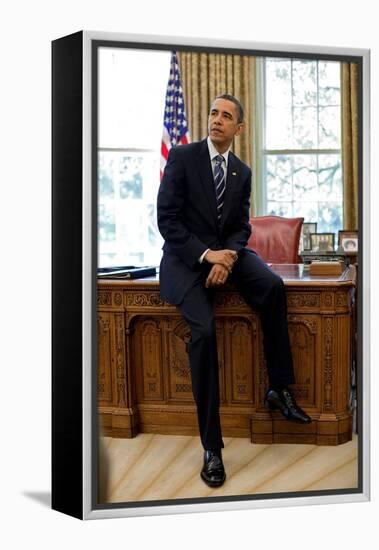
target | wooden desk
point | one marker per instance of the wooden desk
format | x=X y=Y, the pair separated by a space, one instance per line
x=144 y=382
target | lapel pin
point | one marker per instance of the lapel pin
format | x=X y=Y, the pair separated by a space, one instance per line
x=234 y=173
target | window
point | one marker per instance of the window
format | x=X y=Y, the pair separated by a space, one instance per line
x=297 y=156
x=301 y=141
x=132 y=87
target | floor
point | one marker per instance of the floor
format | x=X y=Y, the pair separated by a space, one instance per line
x=161 y=467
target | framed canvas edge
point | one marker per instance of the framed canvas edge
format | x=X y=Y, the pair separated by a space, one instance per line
x=89 y=282
x=227 y=506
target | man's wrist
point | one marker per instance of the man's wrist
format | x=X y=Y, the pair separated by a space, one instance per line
x=201 y=259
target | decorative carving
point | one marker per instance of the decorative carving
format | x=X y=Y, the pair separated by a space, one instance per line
x=328 y=363
x=299 y=338
x=145 y=299
x=121 y=394
x=151 y=346
x=242 y=359
x=229 y=299
x=327 y=299
x=183 y=388
x=182 y=330
x=104 y=298
x=303 y=299
x=262 y=371
x=120 y=358
x=104 y=375
x=341 y=299
x=311 y=324
x=180 y=361
x=300 y=392
x=103 y=322
x=303 y=331
x=180 y=338
x=117 y=298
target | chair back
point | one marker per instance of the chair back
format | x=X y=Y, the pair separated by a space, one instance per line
x=276 y=239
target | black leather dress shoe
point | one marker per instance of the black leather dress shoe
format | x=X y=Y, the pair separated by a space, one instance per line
x=285 y=402
x=213 y=472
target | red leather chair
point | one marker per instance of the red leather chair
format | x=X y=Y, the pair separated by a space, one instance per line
x=276 y=239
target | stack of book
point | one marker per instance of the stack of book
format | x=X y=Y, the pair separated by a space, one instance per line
x=126 y=272
x=308 y=256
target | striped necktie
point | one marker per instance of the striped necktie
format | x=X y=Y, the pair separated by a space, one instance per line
x=219 y=179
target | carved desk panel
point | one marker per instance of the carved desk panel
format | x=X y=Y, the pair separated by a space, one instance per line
x=144 y=380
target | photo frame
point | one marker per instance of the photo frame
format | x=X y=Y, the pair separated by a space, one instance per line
x=322 y=242
x=348 y=240
x=307 y=229
x=76 y=452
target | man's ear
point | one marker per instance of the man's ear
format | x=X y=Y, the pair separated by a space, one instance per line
x=240 y=129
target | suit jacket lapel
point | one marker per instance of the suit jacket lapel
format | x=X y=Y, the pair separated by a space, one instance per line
x=231 y=187
x=206 y=176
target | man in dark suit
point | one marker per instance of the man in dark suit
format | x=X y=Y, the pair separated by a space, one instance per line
x=203 y=216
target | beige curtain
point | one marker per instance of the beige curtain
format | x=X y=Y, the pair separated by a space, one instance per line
x=349 y=89
x=204 y=76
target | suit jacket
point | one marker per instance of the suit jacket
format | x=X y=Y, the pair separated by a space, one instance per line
x=187 y=215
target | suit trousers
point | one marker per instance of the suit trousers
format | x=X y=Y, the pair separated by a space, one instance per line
x=264 y=292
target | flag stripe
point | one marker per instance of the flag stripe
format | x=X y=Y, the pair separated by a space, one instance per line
x=175 y=129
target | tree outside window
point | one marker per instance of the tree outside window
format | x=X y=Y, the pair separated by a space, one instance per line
x=301 y=153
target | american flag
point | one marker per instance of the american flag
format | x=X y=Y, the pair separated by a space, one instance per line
x=175 y=130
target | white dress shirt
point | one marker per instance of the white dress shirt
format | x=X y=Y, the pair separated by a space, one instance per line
x=212 y=154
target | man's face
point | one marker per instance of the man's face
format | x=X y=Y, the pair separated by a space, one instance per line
x=223 y=123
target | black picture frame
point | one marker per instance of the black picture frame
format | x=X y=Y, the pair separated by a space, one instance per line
x=348 y=240
x=306 y=230
x=322 y=242
x=74 y=262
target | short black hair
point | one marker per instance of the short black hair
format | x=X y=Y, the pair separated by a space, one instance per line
x=234 y=100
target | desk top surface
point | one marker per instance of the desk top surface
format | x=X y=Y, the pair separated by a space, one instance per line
x=292 y=275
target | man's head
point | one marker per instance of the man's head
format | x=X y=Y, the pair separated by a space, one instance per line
x=225 y=121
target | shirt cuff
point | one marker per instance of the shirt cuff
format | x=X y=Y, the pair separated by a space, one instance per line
x=202 y=256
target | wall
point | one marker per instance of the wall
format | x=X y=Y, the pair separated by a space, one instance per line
x=27 y=29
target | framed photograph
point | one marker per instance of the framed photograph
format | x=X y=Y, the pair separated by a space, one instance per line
x=348 y=240
x=129 y=435
x=307 y=229
x=322 y=242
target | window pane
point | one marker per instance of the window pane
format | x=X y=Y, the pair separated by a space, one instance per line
x=330 y=178
x=329 y=127
x=107 y=222
x=304 y=83
x=278 y=128
x=279 y=176
x=127 y=231
x=279 y=209
x=278 y=83
x=307 y=210
x=305 y=127
x=132 y=87
x=329 y=82
x=305 y=178
x=329 y=217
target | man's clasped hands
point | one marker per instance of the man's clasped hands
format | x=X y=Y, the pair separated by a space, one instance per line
x=223 y=261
